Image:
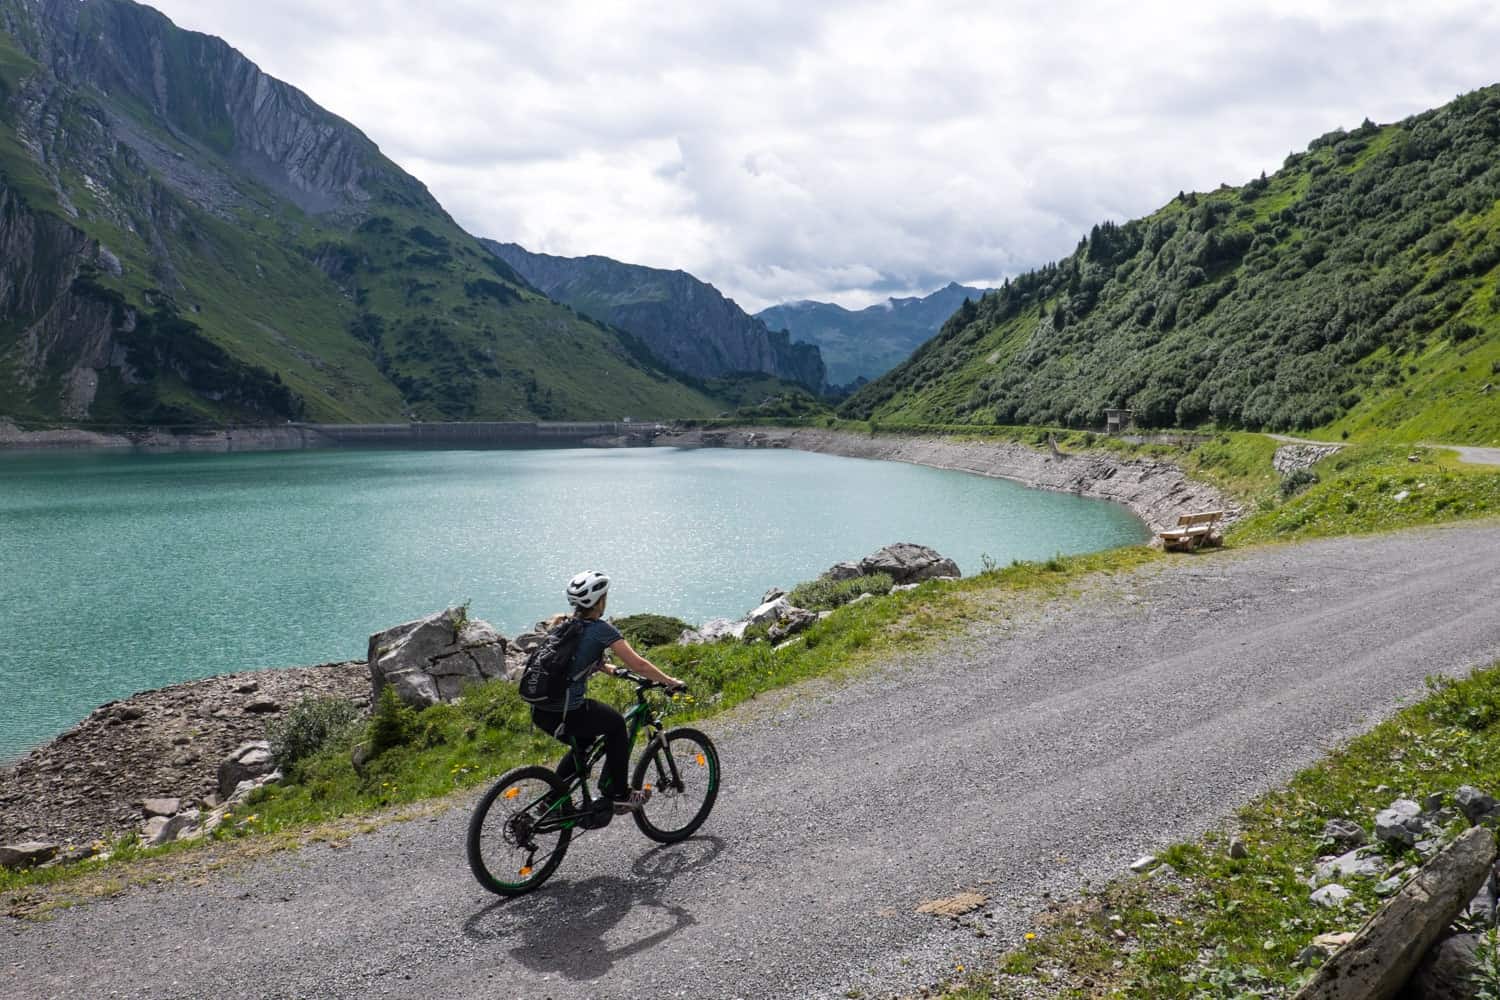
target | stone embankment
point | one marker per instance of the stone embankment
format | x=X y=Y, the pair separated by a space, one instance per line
x=1156 y=491
x=95 y=780
x=286 y=438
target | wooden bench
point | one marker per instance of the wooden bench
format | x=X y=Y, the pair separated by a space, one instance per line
x=1193 y=531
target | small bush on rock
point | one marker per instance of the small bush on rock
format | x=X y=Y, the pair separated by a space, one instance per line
x=646 y=631
x=825 y=595
x=310 y=725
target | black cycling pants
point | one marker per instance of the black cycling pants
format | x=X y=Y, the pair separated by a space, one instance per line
x=587 y=722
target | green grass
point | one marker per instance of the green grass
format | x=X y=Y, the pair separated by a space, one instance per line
x=1372 y=488
x=1230 y=928
x=457 y=746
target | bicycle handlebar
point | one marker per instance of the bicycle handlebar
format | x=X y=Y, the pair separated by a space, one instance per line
x=645 y=682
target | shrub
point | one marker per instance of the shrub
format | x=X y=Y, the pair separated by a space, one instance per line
x=1297 y=481
x=646 y=631
x=825 y=595
x=1472 y=704
x=310 y=725
x=393 y=724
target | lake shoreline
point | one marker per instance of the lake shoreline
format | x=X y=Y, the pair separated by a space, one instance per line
x=1155 y=491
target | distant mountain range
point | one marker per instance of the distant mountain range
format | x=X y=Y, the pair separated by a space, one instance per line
x=185 y=240
x=684 y=322
x=867 y=343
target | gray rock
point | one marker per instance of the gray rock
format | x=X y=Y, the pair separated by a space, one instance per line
x=842 y=571
x=1364 y=862
x=1387 y=948
x=1344 y=833
x=795 y=620
x=169 y=829
x=1143 y=864
x=527 y=641
x=1400 y=824
x=1447 y=970
x=1474 y=804
x=772 y=594
x=247 y=762
x=24 y=855
x=902 y=587
x=1331 y=896
x=716 y=629
x=905 y=562
x=1432 y=803
x=769 y=612
x=1389 y=886
x=431 y=659
x=151 y=830
x=249 y=687
x=161 y=807
x=262 y=706
x=1237 y=849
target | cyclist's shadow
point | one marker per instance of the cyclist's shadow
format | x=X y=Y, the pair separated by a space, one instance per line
x=562 y=928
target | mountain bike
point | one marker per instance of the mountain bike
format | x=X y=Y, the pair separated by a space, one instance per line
x=521 y=828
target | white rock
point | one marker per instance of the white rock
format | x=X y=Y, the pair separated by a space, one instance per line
x=1331 y=896
x=769 y=612
x=1364 y=862
x=1144 y=863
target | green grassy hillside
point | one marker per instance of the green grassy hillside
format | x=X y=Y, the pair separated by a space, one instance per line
x=203 y=263
x=1353 y=292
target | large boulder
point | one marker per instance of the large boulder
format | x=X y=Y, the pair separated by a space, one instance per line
x=770 y=612
x=1385 y=951
x=905 y=562
x=842 y=571
x=431 y=659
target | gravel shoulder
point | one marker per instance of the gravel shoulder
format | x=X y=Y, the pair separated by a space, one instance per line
x=1025 y=757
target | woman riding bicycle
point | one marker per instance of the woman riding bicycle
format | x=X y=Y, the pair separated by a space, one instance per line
x=587 y=719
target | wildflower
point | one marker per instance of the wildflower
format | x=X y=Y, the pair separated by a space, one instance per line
x=1030 y=936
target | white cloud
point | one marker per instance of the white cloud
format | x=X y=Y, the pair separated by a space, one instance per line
x=844 y=151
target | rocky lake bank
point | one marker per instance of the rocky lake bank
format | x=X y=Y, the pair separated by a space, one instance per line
x=1155 y=491
x=92 y=782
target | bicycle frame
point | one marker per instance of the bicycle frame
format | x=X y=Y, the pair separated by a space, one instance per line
x=559 y=815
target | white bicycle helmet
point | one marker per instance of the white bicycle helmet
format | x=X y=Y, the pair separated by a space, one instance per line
x=587 y=589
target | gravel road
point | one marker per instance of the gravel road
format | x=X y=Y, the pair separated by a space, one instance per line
x=1026 y=757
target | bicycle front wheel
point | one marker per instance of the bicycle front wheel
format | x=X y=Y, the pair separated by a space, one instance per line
x=682 y=771
x=519 y=831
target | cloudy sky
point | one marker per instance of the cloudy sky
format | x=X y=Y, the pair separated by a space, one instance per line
x=787 y=149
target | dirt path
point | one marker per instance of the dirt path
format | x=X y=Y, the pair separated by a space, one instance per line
x=1471 y=455
x=1015 y=761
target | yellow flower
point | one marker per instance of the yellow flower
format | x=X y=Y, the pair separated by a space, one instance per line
x=252 y=817
x=1030 y=936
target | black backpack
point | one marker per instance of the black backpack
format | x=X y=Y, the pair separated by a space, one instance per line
x=547 y=667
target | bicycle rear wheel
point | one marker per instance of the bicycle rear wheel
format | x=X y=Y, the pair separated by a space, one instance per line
x=518 y=833
x=683 y=774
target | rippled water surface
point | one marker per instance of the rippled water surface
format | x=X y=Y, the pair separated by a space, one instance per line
x=120 y=573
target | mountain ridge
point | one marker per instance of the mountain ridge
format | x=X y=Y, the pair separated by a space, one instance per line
x=188 y=240
x=687 y=323
x=862 y=344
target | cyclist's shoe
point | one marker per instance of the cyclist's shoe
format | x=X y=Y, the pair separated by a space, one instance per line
x=636 y=800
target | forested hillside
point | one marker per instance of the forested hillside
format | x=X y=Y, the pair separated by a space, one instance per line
x=1353 y=291
x=186 y=240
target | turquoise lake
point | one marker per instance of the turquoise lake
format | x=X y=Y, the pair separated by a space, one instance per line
x=120 y=573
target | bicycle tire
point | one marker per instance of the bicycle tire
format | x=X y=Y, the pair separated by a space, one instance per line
x=698 y=771
x=501 y=835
